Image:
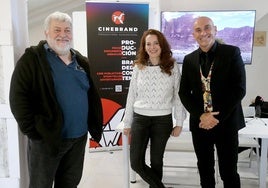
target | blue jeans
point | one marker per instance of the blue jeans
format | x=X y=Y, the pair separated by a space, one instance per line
x=157 y=129
x=65 y=169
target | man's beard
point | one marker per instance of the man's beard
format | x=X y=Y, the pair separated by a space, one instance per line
x=59 y=49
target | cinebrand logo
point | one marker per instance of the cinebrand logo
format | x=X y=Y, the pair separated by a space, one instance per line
x=118 y=17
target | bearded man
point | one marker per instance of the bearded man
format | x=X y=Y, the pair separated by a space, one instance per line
x=55 y=103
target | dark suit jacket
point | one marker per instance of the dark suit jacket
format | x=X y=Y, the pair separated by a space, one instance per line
x=228 y=87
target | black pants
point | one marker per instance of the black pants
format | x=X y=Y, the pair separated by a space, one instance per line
x=226 y=144
x=65 y=169
x=157 y=129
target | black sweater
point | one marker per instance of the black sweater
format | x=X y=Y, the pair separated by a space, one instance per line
x=33 y=100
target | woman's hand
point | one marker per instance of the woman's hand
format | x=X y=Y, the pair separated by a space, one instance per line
x=126 y=131
x=176 y=131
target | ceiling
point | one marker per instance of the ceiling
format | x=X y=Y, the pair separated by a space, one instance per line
x=38 y=10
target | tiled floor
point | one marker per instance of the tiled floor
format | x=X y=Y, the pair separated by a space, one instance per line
x=104 y=169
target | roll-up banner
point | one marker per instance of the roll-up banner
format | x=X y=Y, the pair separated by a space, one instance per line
x=114 y=31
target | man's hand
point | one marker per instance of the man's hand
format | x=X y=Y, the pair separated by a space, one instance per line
x=208 y=121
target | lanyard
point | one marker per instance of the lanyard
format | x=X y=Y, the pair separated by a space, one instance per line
x=206 y=89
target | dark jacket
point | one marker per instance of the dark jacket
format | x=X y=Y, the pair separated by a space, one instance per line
x=33 y=100
x=228 y=87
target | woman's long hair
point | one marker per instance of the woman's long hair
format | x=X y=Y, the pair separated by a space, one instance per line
x=166 y=60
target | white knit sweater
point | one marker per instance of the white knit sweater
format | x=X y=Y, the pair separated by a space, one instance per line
x=154 y=93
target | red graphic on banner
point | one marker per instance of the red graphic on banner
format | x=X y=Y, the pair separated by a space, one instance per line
x=118 y=17
x=112 y=114
x=109 y=109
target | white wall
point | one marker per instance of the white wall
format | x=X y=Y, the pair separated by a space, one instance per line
x=10 y=34
x=175 y=5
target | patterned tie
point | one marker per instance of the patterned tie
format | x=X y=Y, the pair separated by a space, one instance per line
x=206 y=89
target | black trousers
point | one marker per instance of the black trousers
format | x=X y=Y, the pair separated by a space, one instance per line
x=64 y=170
x=226 y=143
x=157 y=129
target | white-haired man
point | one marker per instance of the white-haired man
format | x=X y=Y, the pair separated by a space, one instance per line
x=55 y=103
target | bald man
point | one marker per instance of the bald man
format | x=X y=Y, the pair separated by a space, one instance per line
x=213 y=83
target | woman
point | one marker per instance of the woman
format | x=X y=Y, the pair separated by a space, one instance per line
x=152 y=95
